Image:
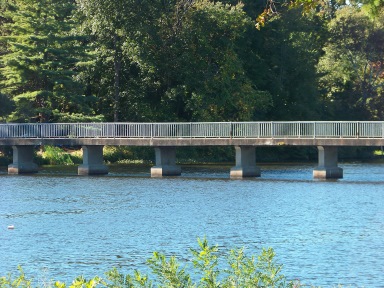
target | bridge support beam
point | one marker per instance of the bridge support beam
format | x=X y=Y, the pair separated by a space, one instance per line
x=93 y=162
x=165 y=162
x=327 y=168
x=245 y=163
x=22 y=160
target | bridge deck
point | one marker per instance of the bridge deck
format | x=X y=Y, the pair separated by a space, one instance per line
x=166 y=136
x=307 y=133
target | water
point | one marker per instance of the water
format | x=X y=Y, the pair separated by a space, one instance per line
x=324 y=232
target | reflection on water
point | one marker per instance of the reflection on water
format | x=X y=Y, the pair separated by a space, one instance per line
x=324 y=232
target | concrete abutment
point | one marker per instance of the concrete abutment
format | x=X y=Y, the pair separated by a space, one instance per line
x=328 y=163
x=93 y=162
x=245 y=163
x=165 y=162
x=22 y=160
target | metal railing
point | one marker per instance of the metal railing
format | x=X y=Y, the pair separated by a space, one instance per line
x=277 y=130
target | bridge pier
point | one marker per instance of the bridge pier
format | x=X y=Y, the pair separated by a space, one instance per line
x=22 y=160
x=93 y=162
x=165 y=162
x=328 y=168
x=245 y=163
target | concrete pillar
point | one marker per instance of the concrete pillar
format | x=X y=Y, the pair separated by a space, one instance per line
x=22 y=160
x=165 y=162
x=327 y=168
x=93 y=162
x=245 y=163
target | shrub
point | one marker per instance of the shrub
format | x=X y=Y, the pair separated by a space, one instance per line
x=206 y=270
x=5 y=155
x=113 y=154
x=56 y=156
x=4 y=161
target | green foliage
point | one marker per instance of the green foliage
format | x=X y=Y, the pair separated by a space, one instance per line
x=293 y=47
x=249 y=272
x=373 y=8
x=116 y=280
x=207 y=269
x=5 y=107
x=113 y=154
x=19 y=282
x=4 y=161
x=205 y=260
x=169 y=274
x=39 y=63
x=128 y=154
x=201 y=73
x=56 y=156
x=183 y=62
x=352 y=71
x=179 y=60
x=205 y=154
x=111 y=75
x=78 y=117
x=5 y=155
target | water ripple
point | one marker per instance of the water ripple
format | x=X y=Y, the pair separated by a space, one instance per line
x=324 y=232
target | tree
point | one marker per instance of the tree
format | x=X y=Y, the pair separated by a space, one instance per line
x=40 y=61
x=352 y=66
x=113 y=25
x=291 y=48
x=309 y=7
x=5 y=102
x=178 y=60
x=196 y=53
x=5 y=107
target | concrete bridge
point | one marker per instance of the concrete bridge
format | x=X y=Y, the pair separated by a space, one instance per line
x=165 y=137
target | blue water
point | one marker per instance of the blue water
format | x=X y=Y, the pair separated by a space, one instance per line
x=324 y=232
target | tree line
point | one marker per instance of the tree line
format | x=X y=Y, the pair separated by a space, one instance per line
x=191 y=60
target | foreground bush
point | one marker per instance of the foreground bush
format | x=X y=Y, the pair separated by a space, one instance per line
x=240 y=271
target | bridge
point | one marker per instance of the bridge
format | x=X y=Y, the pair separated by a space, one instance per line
x=165 y=137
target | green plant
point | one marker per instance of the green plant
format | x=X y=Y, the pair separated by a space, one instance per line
x=5 y=155
x=169 y=273
x=113 y=154
x=246 y=271
x=4 y=160
x=19 y=282
x=56 y=156
x=206 y=261
x=206 y=271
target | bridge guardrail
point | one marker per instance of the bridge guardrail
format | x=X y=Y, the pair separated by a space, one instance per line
x=303 y=129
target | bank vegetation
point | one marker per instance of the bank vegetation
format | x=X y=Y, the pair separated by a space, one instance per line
x=208 y=268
